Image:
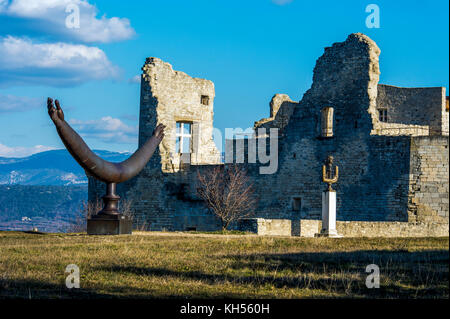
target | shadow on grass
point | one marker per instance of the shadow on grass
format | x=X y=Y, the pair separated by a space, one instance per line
x=422 y=274
x=35 y=289
x=335 y=261
x=32 y=289
x=404 y=274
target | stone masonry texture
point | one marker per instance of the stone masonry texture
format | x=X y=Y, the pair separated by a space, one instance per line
x=393 y=173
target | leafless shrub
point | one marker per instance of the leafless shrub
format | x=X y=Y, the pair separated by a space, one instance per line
x=125 y=207
x=227 y=192
x=140 y=224
x=87 y=209
x=90 y=208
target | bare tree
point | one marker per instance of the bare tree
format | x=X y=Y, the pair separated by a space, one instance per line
x=228 y=193
x=139 y=222
x=126 y=207
x=87 y=209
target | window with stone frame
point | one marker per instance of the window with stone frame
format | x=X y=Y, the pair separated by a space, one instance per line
x=183 y=143
x=204 y=99
x=327 y=115
x=382 y=115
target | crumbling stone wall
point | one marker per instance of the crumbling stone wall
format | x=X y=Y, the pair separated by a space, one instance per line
x=374 y=183
x=281 y=109
x=428 y=186
x=168 y=97
x=266 y=227
x=163 y=194
x=412 y=111
x=385 y=175
x=345 y=78
x=164 y=201
x=310 y=228
x=445 y=117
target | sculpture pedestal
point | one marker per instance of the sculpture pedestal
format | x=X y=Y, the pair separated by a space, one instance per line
x=109 y=221
x=109 y=225
x=329 y=215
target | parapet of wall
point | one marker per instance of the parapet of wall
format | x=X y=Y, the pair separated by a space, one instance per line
x=310 y=228
x=391 y=229
x=397 y=129
x=266 y=227
x=412 y=111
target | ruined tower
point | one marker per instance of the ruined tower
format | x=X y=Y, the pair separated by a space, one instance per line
x=390 y=143
x=185 y=105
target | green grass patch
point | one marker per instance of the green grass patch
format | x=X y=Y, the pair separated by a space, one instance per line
x=197 y=265
x=221 y=232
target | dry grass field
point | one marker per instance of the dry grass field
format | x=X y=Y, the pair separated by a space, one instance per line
x=184 y=265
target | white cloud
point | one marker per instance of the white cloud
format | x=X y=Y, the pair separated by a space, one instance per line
x=11 y=103
x=129 y=117
x=55 y=64
x=51 y=16
x=20 y=151
x=3 y=4
x=281 y=2
x=107 y=129
x=135 y=79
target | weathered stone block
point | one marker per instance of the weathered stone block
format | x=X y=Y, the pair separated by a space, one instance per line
x=108 y=226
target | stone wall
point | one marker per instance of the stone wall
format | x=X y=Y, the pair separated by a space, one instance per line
x=162 y=194
x=310 y=228
x=372 y=184
x=394 y=176
x=428 y=187
x=391 y=229
x=281 y=109
x=169 y=96
x=396 y=129
x=266 y=227
x=375 y=170
x=412 y=111
x=445 y=116
x=164 y=201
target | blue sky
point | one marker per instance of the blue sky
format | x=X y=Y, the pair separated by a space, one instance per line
x=250 y=49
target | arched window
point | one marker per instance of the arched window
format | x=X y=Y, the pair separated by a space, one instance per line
x=327 y=121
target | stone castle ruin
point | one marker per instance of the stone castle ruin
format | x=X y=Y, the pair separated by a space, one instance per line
x=390 y=143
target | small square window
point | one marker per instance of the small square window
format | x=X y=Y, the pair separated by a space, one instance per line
x=382 y=115
x=296 y=204
x=205 y=99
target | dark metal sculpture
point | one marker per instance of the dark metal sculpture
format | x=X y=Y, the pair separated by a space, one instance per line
x=327 y=173
x=108 y=172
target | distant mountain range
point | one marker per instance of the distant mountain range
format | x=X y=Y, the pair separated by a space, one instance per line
x=56 y=168
x=45 y=190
